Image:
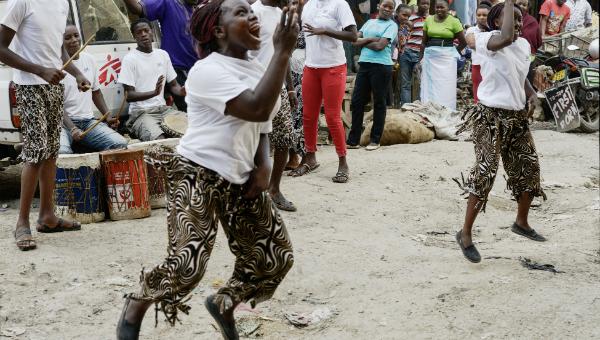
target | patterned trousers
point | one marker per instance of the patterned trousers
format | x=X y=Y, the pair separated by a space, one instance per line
x=198 y=199
x=502 y=133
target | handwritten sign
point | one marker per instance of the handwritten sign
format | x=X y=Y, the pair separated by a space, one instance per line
x=564 y=107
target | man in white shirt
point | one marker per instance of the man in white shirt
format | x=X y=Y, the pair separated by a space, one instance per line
x=36 y=27
x=78 y=111
x=143 y=74
x=581 y=15
x=283 y=136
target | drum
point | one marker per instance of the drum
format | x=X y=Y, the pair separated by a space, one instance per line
x=156 y=178
x=78 y=191
x=174 y=124
x=126 y=183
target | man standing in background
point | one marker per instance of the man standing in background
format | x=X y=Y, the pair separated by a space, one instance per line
x=553 y=17
x=410 y=57
x=581 y=15
x=173 y=16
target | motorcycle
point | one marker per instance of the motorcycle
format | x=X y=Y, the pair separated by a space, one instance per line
x=582 y=77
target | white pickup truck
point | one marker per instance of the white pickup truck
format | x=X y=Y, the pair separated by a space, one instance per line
x=110 y=21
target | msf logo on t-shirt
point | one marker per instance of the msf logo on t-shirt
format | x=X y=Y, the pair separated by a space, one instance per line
x=109 y=72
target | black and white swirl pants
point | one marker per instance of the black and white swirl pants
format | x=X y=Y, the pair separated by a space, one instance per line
x=198 y=199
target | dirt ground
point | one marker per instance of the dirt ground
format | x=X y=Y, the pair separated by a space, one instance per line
x=376 y=258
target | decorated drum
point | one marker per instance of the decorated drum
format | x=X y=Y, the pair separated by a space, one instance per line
x=78 y=190
x=126 y=180
x=156 y=178
x=174 y=124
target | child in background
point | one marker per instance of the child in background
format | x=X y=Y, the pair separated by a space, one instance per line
x=403 y=13
x=482 y=13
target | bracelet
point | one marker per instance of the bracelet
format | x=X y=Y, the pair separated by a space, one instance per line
x=291 y=91
x=74 y=128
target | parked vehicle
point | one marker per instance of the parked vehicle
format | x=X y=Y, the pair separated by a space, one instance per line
x=110 y=21
x=582 y=77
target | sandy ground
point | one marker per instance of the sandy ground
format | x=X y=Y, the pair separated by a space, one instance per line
x=378 y=253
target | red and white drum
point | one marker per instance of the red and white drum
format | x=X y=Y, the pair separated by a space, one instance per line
x=156 y=178
x=126 y=183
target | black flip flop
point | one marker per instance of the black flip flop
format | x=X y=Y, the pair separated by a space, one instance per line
x=20 y=232
x=228 y=330
x=469 y=252
x=530 y=234
x=60 y=227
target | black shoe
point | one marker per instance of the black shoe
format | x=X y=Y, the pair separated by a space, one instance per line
x=126 y=330
x=530 y=234
x=228 y=329
x=469 y=252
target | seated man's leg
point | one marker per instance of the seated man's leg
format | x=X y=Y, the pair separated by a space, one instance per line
x=147 y=126
x=65 y=142
x=102 y=137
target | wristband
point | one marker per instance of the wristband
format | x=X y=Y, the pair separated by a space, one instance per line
x=73 y=129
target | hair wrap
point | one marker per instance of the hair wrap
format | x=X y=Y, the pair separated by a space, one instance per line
x=202 y=26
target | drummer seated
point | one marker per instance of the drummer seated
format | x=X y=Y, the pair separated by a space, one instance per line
x=145 y=72
x=78 y=115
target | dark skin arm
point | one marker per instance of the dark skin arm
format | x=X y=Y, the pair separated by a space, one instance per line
x=507 y=31
x=423 y=44
x=543 y=23
x=82 y=83
x=462 y=42
x=8 y=57
x=259 y=177
x=348 y=34
x=135 y=96
x=98 y=100
x=134 y=7
x=289 y=85
x=375 y=44
x=256 y=105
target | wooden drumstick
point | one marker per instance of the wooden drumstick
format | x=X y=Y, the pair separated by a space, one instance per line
x=76 y=54
x=103 y=118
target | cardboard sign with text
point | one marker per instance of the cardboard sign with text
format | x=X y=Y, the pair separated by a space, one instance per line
x=564 y=107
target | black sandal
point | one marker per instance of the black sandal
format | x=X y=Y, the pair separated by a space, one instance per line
x=228 y=330
x=126 y=330
x=469 y=252
x=60 y=227
x=282 y=203
x=24 y=243
x=340 y=177
x=530 y=234
x=303 y=169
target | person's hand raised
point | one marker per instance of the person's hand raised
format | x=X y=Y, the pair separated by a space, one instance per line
x=288 y=29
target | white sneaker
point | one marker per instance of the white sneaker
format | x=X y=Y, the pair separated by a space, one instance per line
x=372 y=147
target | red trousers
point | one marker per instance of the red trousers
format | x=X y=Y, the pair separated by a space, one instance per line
x=476 y=77
x=324 y=86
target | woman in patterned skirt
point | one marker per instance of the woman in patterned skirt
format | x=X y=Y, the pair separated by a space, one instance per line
x=499 y=124
x=220 y=172
x=297 y=67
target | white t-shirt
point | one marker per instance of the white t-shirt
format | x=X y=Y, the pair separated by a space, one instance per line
x=79 y=105
x=215 y=140
x=268 y=17
x=141 y=70
x=39 y=27
x=321 y=50
x=503 y=72
x=474 y=57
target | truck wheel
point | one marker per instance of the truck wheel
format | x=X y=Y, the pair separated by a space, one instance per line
x=589 y=117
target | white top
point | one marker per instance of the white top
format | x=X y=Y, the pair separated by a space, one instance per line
x=268 y=18
x=39 y=27
x=321 y=50
x=79 y=105
x=503 y=72
x=213 y=139
x=581 y=14
x=141 y=70
x=474 y=57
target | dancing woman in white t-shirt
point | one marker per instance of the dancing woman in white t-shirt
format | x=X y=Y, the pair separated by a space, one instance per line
x=499 y=124
x=220 y=172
